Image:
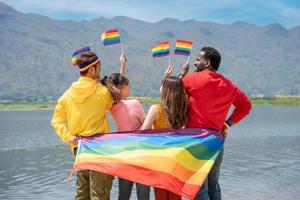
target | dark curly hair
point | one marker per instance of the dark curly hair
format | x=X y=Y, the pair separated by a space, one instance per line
x=213 y=55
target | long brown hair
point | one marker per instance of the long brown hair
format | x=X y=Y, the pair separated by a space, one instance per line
x=174 y=101
x=114 y=83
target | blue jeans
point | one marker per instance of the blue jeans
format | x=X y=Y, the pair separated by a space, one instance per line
x=125 y=189
x=210 y=189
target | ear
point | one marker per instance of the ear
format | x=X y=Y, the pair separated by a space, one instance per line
x=207 y=63
x=92 y=69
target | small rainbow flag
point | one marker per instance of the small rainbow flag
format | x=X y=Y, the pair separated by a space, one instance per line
x=111 y=37
x=183 y=47
x=176 y=160
x=162 y=49
x=78 y=52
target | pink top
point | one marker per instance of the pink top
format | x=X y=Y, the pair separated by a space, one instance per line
x=128 y=115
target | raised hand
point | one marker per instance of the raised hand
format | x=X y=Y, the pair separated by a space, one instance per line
x=168 y=71
x=185 y=69
x=123 y=61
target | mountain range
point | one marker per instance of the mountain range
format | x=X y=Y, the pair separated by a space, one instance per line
x=35 y=53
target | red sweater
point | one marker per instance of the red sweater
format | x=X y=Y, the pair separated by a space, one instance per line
x=210 y=96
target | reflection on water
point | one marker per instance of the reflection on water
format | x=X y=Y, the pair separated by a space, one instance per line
x=261 y=160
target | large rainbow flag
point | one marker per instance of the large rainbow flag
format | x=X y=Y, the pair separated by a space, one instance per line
x=183 y=47
x=177 y=160
x=160 y=50
x=111 y=37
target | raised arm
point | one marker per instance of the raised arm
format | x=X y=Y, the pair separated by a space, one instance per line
x=168 y=71
x=123 y=63
x=184 y=70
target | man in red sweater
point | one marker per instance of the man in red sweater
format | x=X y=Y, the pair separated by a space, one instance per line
x=210 y=96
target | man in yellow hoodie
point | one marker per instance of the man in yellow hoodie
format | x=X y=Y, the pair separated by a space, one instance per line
x=81 y=111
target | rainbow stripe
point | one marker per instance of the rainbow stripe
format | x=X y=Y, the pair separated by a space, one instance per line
x=162 y=49
x=183 y=47
x=176 y=160
x=111 y=37
x=78 y=52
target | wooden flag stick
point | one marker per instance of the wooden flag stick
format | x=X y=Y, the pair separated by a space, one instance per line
x=122 y=50
x=188 y=60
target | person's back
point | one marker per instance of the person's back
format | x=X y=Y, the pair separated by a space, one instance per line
x=210 y=98
x=81 y=111
x=128 y=115
x=85 y=104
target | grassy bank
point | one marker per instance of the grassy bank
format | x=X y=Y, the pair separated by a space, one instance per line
x=27 y=106
x=147 y=100
x=276 y=101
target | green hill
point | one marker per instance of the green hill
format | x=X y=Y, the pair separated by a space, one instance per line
x=35 y=53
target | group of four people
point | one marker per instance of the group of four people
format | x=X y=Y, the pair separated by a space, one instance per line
x=200 y=99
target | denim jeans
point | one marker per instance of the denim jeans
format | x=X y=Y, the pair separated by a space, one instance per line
x=125 y=189
x=210 y=189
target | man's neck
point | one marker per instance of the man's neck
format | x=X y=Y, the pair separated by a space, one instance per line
x=88 y=76
x=211 y=69
x=207 y=68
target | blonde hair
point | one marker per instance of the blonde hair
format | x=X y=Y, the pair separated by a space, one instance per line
x=174 y=101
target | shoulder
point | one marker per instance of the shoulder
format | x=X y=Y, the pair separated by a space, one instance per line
x=103 y=93
x=102 y=89
x=132 y=102
x=226 y=80
x=153 y=112
x=191 y=75
x=155 y=108
x=65 y=96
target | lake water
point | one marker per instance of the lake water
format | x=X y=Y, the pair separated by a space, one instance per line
x=261 y=160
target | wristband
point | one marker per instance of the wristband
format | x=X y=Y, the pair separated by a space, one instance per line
x=227 y=123
x=180 y=75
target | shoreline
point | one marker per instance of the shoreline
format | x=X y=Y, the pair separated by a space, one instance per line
x=256 y=101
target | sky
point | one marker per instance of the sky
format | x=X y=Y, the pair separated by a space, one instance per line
x=260 y=12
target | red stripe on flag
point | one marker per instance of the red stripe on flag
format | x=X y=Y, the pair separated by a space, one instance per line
x=143 y=175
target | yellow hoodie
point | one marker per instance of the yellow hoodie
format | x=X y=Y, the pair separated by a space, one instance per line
x=81 y=110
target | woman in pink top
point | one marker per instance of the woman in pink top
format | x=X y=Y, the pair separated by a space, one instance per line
x=128 y=115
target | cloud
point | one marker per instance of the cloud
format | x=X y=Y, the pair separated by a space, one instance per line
x=289 y=14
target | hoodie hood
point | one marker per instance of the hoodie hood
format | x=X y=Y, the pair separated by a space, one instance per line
x=82 y=89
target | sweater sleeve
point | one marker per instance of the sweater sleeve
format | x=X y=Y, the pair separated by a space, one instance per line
x=59 y=122
x=242 y=106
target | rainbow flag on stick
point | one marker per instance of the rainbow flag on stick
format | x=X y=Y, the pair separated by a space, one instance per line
x=183 y=47
x=160 y=50
x=176 y=160
x=111 y=37
x=78 y=52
